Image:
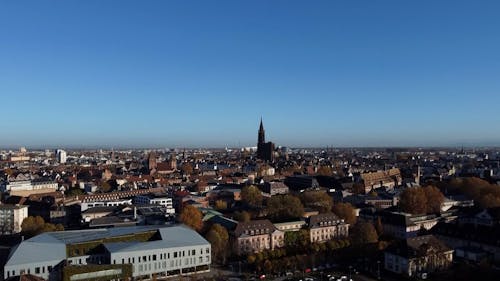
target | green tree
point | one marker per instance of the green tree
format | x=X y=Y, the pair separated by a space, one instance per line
x=345 y=211
x=297 y=240
x=242 y=216
x=317 y=200
x=363 y=233
x=251 y=195
x=75 y=191
x=284 y=207
x=192 y=217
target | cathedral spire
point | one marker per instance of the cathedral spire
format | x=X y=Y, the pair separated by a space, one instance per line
x=262 y=134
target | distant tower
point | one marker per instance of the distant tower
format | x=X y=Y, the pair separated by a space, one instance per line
x=61 y=156
x=152 y=161
x=262 y=134
x=419 y=175
x=173 y=162
x=265 y=150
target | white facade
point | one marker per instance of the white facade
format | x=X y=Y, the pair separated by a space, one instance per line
x=177 y=251
x=11 y=218
x=150 y=200
x=87 y=205
x=61 y=156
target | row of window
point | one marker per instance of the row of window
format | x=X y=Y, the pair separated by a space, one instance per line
x=164 y=256
x=173 y=264
x=38 y=270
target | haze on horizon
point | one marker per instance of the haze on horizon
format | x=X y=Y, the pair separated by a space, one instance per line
x=200 y=74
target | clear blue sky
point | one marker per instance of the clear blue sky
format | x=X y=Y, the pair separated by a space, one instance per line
x=202 y=73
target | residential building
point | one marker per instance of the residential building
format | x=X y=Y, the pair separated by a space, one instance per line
x=256 y=236
x=274 y=188
x=138 y=252
x=391 y=178
x=290 y=226
x=325 y=227
x=418 y=256
x=301 y=182
x=11 y=218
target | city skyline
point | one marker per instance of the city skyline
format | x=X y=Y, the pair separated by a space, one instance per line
x=176 y=74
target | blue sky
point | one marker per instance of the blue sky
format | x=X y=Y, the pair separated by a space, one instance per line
x=202 y=73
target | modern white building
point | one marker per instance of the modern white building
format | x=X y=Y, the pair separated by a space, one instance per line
x=61 y=156
x=111 y=203
x=137 y=252
x=154 y=200
x=11 y=218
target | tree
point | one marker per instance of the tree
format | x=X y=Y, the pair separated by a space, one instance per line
x=420 y=200
x=105 y=187
x=358 y=188
x=317 y=200
x=32 y=226
x=295 y=240
x=379 y=227
x=484 y=194
x=434 y=199
x=75 y=191
x=363 y=233
x=192 y=217
x=251 y=195
x=242 y=216
x=187 y=169
x=220 y=205
x=325 y=171
x=218 y=238
x=413 y=201
x=346 y=212
x=284 y=207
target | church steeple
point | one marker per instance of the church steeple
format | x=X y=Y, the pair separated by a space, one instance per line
x=262 y=133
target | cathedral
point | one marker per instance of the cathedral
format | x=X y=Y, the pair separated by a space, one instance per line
x=265 y=150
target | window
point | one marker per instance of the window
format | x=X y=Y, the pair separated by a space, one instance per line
x=37 y=270
x=207 y=250
x=175 y=255
x=193 y=252
x=154 y=257
x=144 y=258
x=49 y=268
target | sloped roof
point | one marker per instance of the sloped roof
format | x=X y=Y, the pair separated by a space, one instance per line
x=263 y=226
x=418 y=247
x=171 y=237
x=326 y=219
x=51 y=246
